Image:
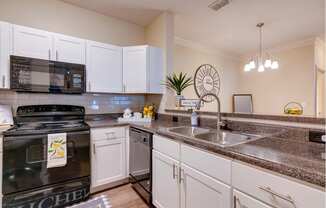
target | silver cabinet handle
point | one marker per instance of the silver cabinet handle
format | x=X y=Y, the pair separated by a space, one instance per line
x=124 y=88
x=89 y=86
x=3 y=80
x=270 y=191
x=180 y=175
x=49 y=53
x=94 y=151
x=174 y=172
x=57 y=55
x=236 y=201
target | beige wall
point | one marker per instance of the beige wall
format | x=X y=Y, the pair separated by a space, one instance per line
x=188 y=59
x=57 y=16
x=272 y=90
x=320 y=76
x=293 y=81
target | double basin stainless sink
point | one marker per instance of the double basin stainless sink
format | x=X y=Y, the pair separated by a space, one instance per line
x=222 y=138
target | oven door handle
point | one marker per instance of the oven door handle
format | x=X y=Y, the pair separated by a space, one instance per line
x=12 y=138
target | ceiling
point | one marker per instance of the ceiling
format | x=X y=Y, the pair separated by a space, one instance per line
x=231 y=29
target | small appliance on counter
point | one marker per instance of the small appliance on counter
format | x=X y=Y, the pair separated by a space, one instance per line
x=30 y=178
x=129 y=116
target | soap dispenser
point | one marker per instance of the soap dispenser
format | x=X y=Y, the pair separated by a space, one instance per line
x=194 y=118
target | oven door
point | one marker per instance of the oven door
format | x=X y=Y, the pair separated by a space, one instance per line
x=36 y=75
x=25 y=162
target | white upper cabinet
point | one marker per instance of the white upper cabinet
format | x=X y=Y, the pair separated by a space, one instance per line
x=142 y=69
x=30 y=42
x=34 y=43
x=155 y=70
x=110 y=69
x=104 y=68
x=135 y=66
x=5 y=47
x=69 y=49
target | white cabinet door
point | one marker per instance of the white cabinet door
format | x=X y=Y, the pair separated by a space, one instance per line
x=135 y=69
x=200 y=190
x=156 y=70
x=241 y=200
x=142 y=69
x=108 y=161
x=5 y=31
x=69 y=49
x=32 y=43
x=104 y=68
x=165 y=181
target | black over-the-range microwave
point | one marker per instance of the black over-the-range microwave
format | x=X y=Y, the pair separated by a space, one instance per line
x=37 y=75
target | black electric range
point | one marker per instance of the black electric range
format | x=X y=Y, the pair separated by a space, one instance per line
x=27 y=182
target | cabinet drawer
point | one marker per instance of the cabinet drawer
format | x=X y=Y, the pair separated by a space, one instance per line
x=166 y=146
x=108 y=133
x=275 y=190
x=210 y=164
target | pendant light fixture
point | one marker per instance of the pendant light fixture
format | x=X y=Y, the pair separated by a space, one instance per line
x=262 y=61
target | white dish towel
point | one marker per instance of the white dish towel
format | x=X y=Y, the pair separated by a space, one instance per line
x=57 y=150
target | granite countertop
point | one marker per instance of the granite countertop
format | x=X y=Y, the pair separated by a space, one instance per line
x=303 y=161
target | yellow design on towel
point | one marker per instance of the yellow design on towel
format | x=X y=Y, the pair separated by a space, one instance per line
x=57 y=150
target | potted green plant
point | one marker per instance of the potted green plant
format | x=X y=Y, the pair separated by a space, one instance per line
x=177 y=83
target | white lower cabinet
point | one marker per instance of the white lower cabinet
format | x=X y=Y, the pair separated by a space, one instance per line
x=109 y=161
x=108 y=157
x=165 y=181
x=200 y=190
x=275 y=190
x=176 y=184
x=241 y=200
x=188 y=177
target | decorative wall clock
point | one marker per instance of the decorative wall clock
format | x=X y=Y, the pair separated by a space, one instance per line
x=207 y=80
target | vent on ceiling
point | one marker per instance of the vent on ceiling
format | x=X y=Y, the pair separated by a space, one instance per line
x=216 y=5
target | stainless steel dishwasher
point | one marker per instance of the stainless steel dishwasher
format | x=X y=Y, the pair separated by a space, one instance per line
x=140 y=163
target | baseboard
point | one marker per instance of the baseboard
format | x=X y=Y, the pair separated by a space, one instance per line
x=109 y=185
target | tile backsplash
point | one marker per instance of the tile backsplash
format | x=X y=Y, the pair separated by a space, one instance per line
x=93 y=103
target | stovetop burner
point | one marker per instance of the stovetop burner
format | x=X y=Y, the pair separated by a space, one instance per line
x=46 y=119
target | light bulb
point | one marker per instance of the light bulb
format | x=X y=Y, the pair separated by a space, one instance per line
x=252 y=64
x=247 y=68
x=268 y=63
x=261 y=68
x=275 y=65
